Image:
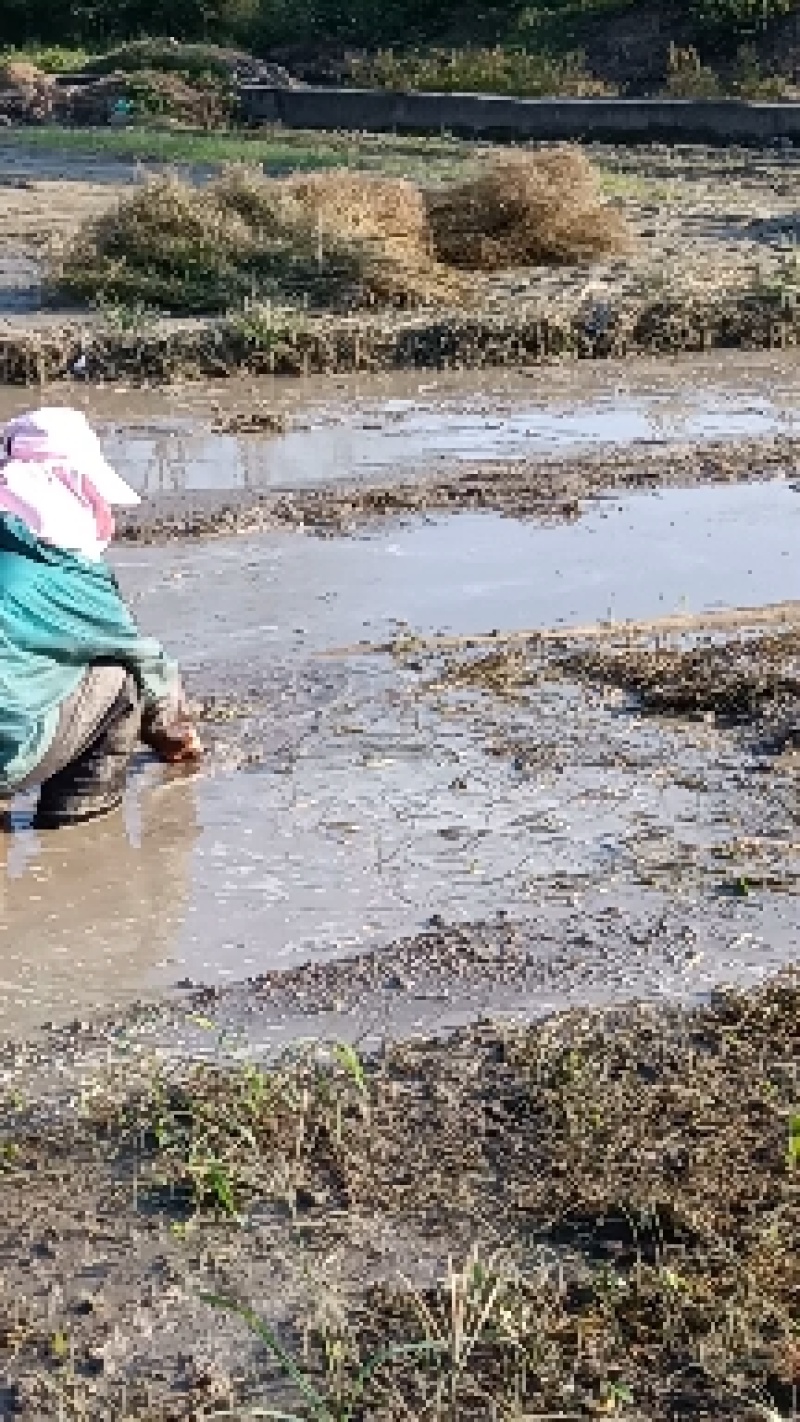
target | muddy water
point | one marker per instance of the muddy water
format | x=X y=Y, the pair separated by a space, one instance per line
x=338 y=810
x=386 y=427
x=391 y=438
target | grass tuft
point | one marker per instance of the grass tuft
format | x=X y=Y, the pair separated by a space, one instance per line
x=476 y=70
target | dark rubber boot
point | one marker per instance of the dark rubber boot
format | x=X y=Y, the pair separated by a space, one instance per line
x=93 y=784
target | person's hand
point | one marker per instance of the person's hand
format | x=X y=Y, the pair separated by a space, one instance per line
x=176 y=743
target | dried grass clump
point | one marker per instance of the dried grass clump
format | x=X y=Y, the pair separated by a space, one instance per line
x=168 y=246
x=525 y=210
x=249 y=237
x=363 y=208
x=21 y=74
x=386 y=219
x=340 y=239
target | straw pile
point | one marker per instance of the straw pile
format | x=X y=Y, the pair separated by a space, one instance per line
x=21 y=74
x=525 y=210
x=336 y=240
x=389 y=211
x=340 y=239
x=386 y=220
x=27 y=94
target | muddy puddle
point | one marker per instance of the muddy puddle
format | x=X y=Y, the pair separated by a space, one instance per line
x=341 y=809
x=267 y=434
x=387 y=440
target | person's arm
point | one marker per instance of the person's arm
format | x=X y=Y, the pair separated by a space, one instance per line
x=83 y=619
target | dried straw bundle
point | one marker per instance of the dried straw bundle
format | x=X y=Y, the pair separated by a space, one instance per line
x=525 y=210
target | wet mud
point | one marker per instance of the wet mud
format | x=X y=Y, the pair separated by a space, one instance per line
x=426 y=962
x=581 y=1175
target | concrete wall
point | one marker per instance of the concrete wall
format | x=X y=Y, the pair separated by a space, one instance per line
x=483 y=115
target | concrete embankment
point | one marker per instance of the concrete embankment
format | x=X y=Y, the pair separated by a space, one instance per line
x=724 y=121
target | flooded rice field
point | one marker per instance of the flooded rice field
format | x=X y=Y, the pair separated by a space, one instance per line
x=381 y=439
x=403 y=1018
x=515 y=739
x=263 y=434
x=346 y=805
x=244 y=435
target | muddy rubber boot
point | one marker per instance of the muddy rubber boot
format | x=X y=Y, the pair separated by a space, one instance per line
x=93 y=783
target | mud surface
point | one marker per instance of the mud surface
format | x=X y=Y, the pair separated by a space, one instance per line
x=408 y=861
x=241 y=455
x=342 y=805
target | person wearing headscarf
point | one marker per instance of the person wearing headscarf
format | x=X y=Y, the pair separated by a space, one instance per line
x=79 y=685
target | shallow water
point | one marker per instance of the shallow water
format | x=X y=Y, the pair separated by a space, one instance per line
x=400 y=436
x=639 y=557
x=381 y=427
x=364 y=810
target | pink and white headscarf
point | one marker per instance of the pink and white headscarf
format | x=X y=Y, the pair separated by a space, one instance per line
x=54 y=477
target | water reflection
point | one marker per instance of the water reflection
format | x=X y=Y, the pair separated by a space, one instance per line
x=386 y=438
x=89 y=913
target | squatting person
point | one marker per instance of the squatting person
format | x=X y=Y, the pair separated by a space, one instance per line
x=79 y=685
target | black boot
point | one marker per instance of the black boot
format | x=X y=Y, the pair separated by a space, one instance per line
x=94 y=782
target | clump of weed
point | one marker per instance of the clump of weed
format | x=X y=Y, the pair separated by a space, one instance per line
x=471 y=69
x=689 y=78
x=217 y=1138
x=339 y=239
x=250 y=238
x=525 y=210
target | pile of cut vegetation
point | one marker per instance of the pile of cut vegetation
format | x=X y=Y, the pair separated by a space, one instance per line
x=525 y=210
x=26 y=92
x=152 y=94
x=192 y=61
x=193 y=84
x=734 y=679
x=329 y=241
x=340 y=239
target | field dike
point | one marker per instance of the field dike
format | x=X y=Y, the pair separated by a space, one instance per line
x=272 y=342
x=617 y=1194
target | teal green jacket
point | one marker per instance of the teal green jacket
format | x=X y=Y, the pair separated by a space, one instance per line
x=59 y=613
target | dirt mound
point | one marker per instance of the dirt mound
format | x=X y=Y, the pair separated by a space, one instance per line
x=525 y=210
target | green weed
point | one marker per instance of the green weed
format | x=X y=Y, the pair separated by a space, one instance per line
x=499 y=70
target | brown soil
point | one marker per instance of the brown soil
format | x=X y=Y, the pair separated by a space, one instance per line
x=616 y=1192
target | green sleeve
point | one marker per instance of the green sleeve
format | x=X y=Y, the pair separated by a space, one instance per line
x=79 y=619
